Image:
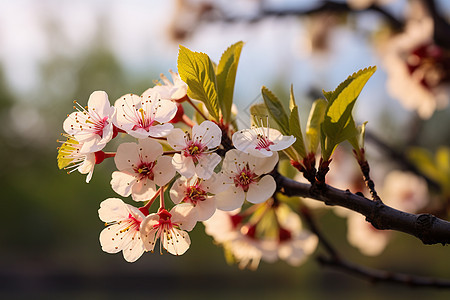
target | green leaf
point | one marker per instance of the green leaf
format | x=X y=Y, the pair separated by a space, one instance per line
x=315 y=119
x=338 y=124
x=226 y=76
x=197 y=70
x=296 y=131
x=260 y=114
x=276 y=110
x=357 y=141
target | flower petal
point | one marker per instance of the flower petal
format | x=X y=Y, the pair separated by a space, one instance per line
x=183 y=165
x=113 y=239
x=98 y=103
x=149 y=230
x=176 y=241
x=159 y=130
x=206 y=164
x=177 y=192
x=149 y=150
x=208 y=134
x=127 y=156
x=230 y=199
x=265 y=165
x=205 y=209
x=177 y=139
x=262 y=190
x=122 y=182
x=113 y=209
x=182 y=214
x=143 y=190
x=134 y=249
x=165 y=111
x=163 y=170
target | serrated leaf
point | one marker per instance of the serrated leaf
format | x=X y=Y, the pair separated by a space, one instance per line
x=338 y=124
x=315 y=119
x=296 y=130
x=226 y=76
x=276 y=110
x=197 y=70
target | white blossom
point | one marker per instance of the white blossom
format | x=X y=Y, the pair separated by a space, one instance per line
x=242 y=178
x=140 y=167
x=123 y=229
x=170 y=228
x=92 y=126
x=261 y=142
x=196 y=157
x=143 y=117
x=198 y=193
x=169 y=90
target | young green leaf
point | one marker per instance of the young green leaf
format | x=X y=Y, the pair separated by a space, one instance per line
x=338 y=124
x=276 y=110
x=197 y=70
x=315 y=119
x=259 y=114
x=226 y=76
x=295 y=128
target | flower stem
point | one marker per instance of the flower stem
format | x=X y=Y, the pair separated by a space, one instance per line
x=161 y=198
x=196 y=108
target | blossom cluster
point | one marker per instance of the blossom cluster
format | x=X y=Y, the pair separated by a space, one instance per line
x=182 y=163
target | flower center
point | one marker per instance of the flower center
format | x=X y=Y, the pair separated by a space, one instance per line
x=194 y=194
x=244 y=178
x=194 y=150
x=145 y=170
x=263 y=142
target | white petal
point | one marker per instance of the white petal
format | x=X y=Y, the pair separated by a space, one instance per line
x=159 y=130
x=266 y=165
x=125 y=117
x=98 y=103
x=183 y=215
x=230 y=199
x=149 y=230
x=70 y=125
x=215 y=184
x=177 y=139
x=244 y=140
x=163 y=170
x=184 y=165
x=113 y=209
x=206 y=164
x=208 y=133
x=134 y=249
x=176 y=241
x=283 y=143
x=205 y=209
x=149 y=150
x=88 y=165
x=178 y=190
x=122 y=182
x=127 y=156
x=235 y=158
x=113 y=239
x=166 y=111
x=143 y=190
x=91 y=144
x=262 y=190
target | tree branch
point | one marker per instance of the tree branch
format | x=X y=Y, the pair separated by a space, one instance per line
x=426 y=227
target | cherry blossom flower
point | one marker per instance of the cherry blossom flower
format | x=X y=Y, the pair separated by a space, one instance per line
x=175 y=90
x=198 y=193
x=418 y=69
x=405 y=191
x=92 y=125
x=196 y=151
x=362 y=235
x=143 y=117
x=122 y=233
x=295 y=244
x=70 y=158
x=242 y=178
x=261 y=142
x=170 y=227
x=141 y=166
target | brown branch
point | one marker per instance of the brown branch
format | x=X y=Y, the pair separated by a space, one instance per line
x=426 y=227
x=382 y=276
x=335 y=260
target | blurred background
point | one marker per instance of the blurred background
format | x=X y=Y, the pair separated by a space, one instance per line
x=55 y=51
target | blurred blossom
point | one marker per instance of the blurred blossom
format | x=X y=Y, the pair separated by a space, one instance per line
x=362 y=235
x=418 y=69
x=405 y=191
x=363 y=4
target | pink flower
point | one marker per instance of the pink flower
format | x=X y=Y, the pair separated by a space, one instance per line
x=242 y=178
x=198 y=193
x=169 y=227
x=261 y=142
x=141 y=166
x=196 y=151
x=92 y=126
x=123 y=229
x=144 y=117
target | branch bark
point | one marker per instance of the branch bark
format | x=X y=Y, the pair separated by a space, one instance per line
x=426 y=227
